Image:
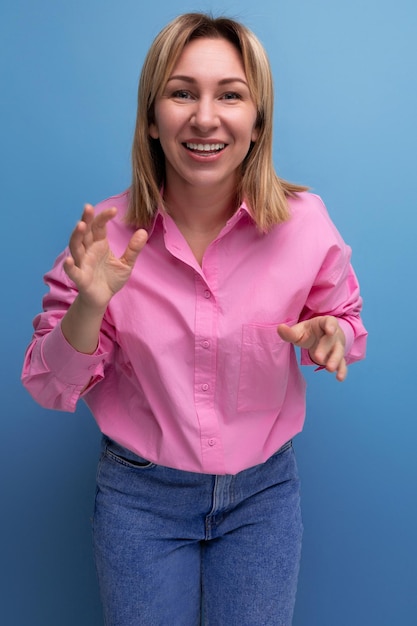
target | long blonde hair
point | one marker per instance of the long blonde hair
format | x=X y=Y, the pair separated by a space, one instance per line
x=264 y=192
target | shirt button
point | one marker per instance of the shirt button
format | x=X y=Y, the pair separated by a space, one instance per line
x=212 y=442
x=205 y=387
x=207 y=294
x=206 y=344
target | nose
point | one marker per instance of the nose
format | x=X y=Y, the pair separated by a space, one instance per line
x=205 y=115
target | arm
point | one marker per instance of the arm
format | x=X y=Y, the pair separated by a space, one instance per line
x=73 y=337
x=330 y=331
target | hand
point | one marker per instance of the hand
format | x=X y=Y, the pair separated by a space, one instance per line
x=324 y=340
x=92 y=266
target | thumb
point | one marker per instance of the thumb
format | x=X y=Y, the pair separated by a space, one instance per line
x=299 y=334
x=134 y=247
x=288 y=333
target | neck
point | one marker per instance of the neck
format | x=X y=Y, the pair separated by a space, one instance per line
x=200 y=215
x=200 y=210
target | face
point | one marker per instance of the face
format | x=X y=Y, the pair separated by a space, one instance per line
x=205 y=119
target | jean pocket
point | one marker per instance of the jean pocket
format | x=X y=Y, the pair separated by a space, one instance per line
x=123 y=456
x=264 y=366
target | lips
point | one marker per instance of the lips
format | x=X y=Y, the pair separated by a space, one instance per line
x=205 y=148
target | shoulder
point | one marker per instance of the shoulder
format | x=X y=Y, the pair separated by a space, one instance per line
x=309 y=225
x=305 y=204
x=307 y=210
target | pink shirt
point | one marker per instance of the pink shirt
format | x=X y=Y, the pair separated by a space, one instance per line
x=190 y=371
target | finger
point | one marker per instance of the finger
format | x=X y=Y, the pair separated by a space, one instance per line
x=71 y=269
x=99 y=223
x=134 y=247
x=89 y=229
x=324 y=349
x=333 y=359
x=77 y=242
x=81 y=235
x=327 y=324
x=88 y=214
x=342 y=371
x=87 y=218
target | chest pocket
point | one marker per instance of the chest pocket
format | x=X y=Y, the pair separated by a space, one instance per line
x=264 y=368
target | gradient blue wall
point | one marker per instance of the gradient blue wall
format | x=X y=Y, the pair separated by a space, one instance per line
x=346 y=125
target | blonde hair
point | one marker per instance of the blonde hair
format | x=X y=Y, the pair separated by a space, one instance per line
x=264 y=192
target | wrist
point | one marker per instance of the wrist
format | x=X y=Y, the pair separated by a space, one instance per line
x=81 y=326
x=86 y=307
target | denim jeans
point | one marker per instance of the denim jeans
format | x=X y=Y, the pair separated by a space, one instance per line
x=177 y=548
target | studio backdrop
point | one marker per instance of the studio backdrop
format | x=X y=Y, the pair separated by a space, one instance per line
x=345 y=124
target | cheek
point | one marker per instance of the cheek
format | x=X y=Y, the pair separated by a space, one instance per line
x=246 y=126
x=166 y=125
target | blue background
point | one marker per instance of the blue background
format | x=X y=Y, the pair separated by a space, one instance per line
x=346 y=103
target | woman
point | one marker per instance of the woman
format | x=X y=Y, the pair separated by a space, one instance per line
x=173 y=315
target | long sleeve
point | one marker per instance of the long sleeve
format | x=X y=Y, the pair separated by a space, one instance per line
x=54 y=373
x=336 y=292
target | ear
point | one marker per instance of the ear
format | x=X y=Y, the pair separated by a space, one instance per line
x=255 y=134
x=153 y=130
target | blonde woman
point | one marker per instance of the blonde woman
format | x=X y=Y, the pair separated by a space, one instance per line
x=173 y=314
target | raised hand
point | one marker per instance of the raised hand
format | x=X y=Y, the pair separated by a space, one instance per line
x=92 y=266
x=324 y=340
x=97 y=274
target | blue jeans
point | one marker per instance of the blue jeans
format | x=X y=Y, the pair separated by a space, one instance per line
x=173 y=546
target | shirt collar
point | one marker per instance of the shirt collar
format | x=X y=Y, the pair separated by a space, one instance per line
x=242 y=211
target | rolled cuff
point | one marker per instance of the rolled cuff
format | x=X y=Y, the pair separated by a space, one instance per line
x=69 y=365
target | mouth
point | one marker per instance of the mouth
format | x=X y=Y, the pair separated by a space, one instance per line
x=205 y=149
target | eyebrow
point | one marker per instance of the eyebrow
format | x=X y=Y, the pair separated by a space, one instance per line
x=223 y=81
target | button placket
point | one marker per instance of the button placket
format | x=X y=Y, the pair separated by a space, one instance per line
x=205 y=363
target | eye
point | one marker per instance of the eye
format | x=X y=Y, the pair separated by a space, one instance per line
x=232 y=95
x=181 y=94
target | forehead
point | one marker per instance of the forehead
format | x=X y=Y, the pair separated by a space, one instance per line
x=212 y=55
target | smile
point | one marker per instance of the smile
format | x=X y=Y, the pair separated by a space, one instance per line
x=205 y=148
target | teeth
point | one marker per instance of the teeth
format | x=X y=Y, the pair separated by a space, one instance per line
x=206 y=147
